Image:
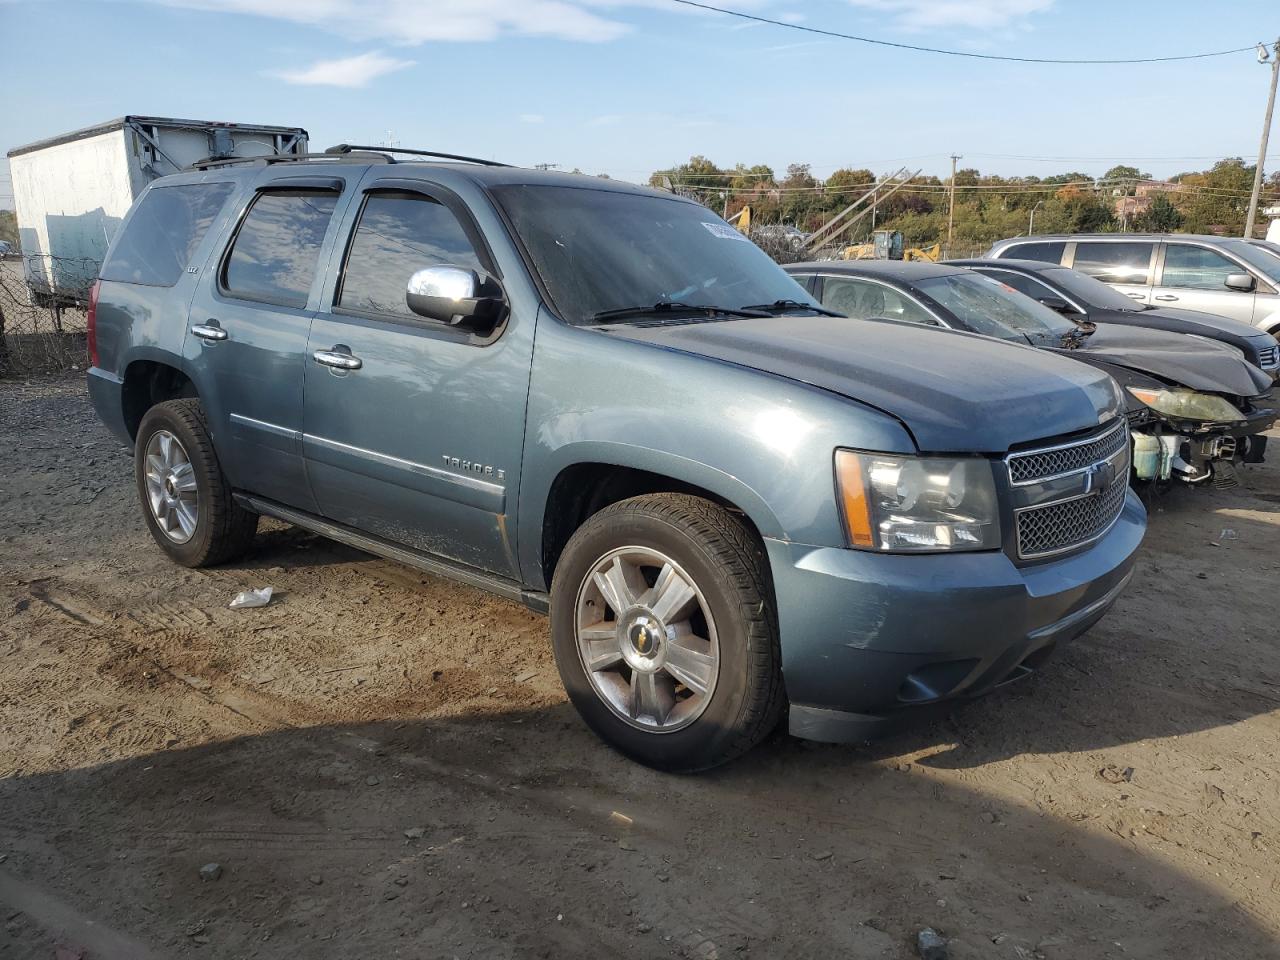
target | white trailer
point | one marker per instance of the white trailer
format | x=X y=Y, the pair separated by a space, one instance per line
x=72 y=191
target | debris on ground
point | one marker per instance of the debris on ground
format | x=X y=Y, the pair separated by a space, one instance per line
x=1228 y=534
x=210 y=871
x=247 y=599
x=415 y=833
x=931 y=945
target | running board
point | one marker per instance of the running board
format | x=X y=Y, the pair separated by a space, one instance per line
x=533 y=599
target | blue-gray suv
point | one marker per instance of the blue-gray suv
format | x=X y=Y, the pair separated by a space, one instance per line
x=606 y=403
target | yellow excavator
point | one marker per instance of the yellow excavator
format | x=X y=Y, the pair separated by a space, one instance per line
x=887 y=245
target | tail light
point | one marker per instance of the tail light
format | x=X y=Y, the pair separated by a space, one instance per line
x=91 y=323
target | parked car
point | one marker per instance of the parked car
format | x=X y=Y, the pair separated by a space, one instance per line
x=1196 y=407
x=730 y=502
x=1220 y=275
x=1079 y=296
x=1266 y=246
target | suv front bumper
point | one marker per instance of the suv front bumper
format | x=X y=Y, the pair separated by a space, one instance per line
x=871 y=640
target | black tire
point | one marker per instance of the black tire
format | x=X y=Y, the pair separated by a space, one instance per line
x=727 y=563
x=223 y=530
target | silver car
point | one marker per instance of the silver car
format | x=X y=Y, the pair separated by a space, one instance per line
x=1222 y=275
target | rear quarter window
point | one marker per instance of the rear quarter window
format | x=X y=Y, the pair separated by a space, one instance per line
x=1046 y=252
x=164 y=231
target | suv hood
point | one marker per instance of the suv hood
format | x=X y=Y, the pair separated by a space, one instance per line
x=1187 y=361
x=955 y=392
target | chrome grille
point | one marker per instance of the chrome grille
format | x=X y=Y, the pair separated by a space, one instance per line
x=1043 y=531
x=1069 y=494
x=1048 y=462
x=1269 y=357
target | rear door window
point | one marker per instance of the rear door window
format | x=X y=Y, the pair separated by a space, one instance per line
x=1047 y=251
x=1114 y=262
x=1196 y=268
x=163 y=233
x=1020 y=282
x=866 y=300
x=398 y=235
x=274 y=254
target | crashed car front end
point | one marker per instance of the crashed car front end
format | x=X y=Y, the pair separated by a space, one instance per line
x=1194 y=436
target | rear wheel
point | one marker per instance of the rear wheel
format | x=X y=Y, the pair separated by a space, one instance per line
x=664 y=633
x=186 y=500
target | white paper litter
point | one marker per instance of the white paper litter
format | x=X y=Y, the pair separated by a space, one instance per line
x=251 y=598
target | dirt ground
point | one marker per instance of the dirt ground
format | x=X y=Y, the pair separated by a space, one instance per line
x=384 y=765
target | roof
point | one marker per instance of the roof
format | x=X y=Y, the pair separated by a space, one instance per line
x=487 y=176
x=893 y=269
x=1008 y=263
x=1069 y=237
x=119 y=122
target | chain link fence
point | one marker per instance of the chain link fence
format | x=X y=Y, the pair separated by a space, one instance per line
x=41 y=332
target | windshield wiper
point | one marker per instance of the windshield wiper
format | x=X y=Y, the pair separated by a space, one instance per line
x=672 y=306
x=783 y=306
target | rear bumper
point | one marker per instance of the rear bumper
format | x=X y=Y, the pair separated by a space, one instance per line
x=871 y=642
x=106 y=393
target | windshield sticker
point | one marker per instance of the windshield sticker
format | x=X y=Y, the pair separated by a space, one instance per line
x=724 y=231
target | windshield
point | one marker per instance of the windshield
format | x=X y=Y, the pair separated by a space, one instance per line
x=599 y=250
x=987 y=306
x=1092 y=291
x=1261 y=260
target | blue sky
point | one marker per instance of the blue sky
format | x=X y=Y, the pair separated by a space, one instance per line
x=626 y=87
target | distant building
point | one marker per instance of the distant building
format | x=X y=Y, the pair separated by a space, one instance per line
x=1144 y=194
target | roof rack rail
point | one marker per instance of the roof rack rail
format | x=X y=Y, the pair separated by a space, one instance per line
x=355 y=156
x=346 y=149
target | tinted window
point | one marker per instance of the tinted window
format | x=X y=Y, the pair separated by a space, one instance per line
x=1114 y=262
x=156 y=247
x=598 y=250
x=275 y=252
x=1196 y=267
x=1090 y=291
x=865 y=300
x=1049 y=251
x=397 y=236
x=1022 y=283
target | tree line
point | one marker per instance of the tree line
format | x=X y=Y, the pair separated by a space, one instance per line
x=987 y=207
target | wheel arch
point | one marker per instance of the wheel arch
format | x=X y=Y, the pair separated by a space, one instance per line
x=599 y=474
x=150 y=379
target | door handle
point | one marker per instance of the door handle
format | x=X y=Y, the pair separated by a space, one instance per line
x=1135 y=296
x=338 y=359
x=1164 y=296
x=209 y=332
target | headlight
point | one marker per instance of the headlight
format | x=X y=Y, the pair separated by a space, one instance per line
x=916 y=504
x=1187 y=404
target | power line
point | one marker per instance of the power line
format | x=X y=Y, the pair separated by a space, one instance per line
x=950 y=53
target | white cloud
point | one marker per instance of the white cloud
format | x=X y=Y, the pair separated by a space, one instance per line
x=606 y=120
x=411 y=22
x=935 y=14
x=345 y=72
x=531 y=118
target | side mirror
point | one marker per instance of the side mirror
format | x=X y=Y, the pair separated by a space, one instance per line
x=1056 y=303
x=456 y=296
x=1244 y=282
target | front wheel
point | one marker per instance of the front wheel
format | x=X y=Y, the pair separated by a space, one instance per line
x=664 y=632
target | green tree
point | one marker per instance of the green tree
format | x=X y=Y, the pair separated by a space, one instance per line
x=1127 y=174
x=1161 y=217
x=845 y=185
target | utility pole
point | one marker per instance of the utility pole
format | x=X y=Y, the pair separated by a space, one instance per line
x=1031 y=224
x=951 y=208
x=1263 y=57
